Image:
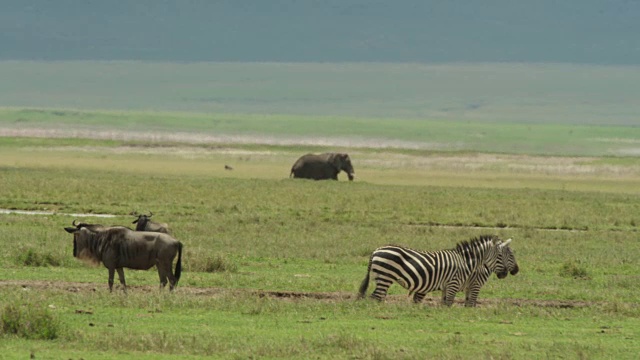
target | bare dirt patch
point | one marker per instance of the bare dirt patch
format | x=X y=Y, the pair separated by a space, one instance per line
x=78 y=287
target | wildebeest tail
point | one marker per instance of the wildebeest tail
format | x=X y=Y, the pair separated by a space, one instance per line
x=179 y=263
x=365 y=283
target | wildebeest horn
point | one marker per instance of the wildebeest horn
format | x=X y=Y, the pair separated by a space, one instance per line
x=74 y=223
x=150 y=213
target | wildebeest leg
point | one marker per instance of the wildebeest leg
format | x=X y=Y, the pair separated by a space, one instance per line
x=162 y=273
x=112 y=273
x=121 y=277
x=172 y=279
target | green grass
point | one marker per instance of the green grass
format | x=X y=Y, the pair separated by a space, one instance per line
x=252 y=233
x=425 y=134
x=523 y=93
x=552 y=109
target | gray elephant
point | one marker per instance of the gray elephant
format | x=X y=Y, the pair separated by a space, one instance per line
x=322 y=167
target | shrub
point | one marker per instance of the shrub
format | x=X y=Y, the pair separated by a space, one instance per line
x=29 y=323
x=574 y=270
x=211 y=264
x=30 y=257
x=219 y=264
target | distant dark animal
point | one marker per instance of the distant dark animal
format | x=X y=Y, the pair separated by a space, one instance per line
x=118 y=247
x=480 y=277
x=144 y=224
x=423 y=272
x=227 y=167
x=322 y=166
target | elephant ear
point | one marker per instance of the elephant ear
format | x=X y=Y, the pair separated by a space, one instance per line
x=336 y=160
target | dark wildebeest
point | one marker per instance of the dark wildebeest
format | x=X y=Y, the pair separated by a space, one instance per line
x=322 y=167
x=144 y=224
x=118 y=247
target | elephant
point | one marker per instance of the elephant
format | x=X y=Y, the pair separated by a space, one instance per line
x=322 y=166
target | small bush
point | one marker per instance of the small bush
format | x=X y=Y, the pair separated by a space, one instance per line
x=30 y=257
x=574 y=270
x=219 y=264
x=29 y=323
x=211 y=264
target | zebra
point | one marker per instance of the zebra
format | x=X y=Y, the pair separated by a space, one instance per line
x=482 y=274
x=423 y=272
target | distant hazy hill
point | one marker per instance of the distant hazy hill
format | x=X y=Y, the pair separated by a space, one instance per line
x=577 y=31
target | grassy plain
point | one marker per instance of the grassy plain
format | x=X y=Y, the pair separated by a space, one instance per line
x=308 y=132
x=503 y=92
x=272 y=264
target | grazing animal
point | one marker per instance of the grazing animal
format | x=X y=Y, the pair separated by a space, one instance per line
x=118 y=247
x=144 y=224
x=322 y=167
x=227 y=167
x=423 y=272
x=482 y=274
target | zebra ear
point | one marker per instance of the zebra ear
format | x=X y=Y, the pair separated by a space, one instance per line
x=505 y=243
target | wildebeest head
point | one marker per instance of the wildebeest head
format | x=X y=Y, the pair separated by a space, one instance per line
x=81 y=233
x=142 y=221
x=342 y=162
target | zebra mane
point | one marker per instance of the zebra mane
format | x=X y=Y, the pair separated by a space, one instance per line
x=468 y=245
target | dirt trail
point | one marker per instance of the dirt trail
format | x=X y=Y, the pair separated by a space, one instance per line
x=78 y=287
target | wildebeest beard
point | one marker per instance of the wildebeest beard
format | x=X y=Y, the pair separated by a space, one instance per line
x=89 y=248
x=88 y=258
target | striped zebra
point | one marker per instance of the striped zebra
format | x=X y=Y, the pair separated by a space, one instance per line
x=481 y=275
x=423 y=272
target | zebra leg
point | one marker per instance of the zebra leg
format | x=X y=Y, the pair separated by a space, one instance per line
x=380 y=293
x=121 y=277
x=418 y=297
x=449 y=294
x=471 y=297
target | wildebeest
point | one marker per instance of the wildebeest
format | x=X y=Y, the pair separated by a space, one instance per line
x=118 y=247
x=144 y=224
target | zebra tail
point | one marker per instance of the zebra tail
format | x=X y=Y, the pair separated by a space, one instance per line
x=178 y=271
x=364 y=286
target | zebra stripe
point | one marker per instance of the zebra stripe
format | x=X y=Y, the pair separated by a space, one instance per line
x=480 y=277
x=423 y=272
